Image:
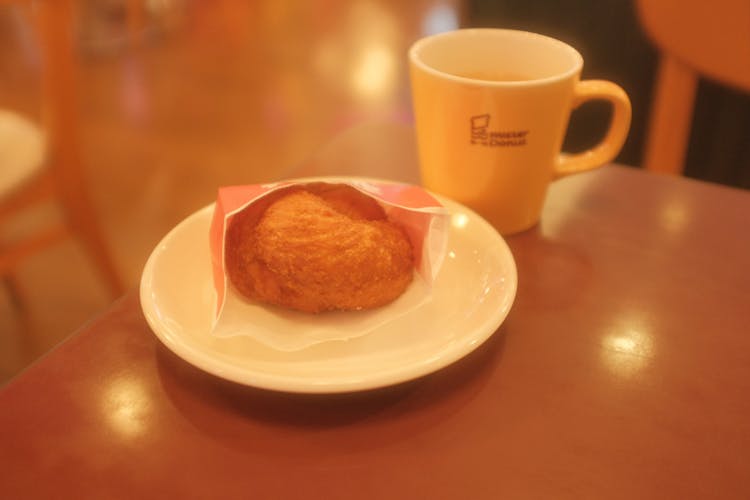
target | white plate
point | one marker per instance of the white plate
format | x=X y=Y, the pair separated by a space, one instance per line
x=473 y=293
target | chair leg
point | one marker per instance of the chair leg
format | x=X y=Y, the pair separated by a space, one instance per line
x=14 y=291
x=671 y=117
x=94 y=244
x=28 y=343
x=100 y=254
x=82 y=219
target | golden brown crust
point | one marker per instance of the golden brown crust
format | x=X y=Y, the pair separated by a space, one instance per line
x=324 y=247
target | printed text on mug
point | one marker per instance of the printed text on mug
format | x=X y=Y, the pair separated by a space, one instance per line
x=481 y=135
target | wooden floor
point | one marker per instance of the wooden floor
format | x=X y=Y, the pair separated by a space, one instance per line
x=211 y=93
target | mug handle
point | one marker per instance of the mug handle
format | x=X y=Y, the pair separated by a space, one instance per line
x=612 y=142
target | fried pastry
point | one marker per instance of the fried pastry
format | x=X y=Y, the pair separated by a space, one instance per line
x=318 y=248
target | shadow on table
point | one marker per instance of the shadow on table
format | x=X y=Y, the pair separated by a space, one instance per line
x=240 y=416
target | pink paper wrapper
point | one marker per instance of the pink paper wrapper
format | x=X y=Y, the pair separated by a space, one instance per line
x=422 y=217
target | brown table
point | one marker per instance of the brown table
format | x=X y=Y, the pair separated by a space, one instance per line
x=622 y=371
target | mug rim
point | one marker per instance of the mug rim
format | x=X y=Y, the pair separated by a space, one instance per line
x=417 y=45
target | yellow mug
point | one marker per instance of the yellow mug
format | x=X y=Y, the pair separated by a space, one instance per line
x=492 y=108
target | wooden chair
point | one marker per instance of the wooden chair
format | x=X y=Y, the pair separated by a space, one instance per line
x=43 y=164
x=696 y=39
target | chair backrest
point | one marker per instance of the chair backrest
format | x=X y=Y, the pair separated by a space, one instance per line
x=696 y=39
x=61 y=176
x=59 y=90
x=52 y=22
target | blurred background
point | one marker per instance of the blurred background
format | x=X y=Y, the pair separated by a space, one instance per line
x=178 y=97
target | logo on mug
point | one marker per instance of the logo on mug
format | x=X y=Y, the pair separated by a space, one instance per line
x=481 y=135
